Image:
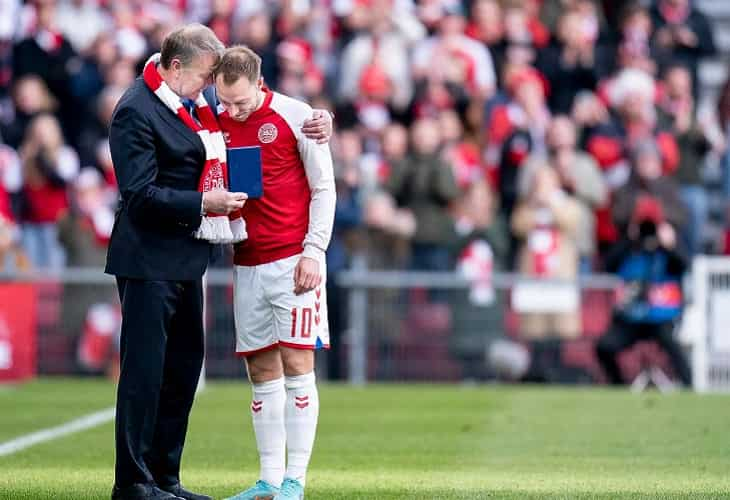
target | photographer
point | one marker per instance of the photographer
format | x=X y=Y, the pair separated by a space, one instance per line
x=650 y=301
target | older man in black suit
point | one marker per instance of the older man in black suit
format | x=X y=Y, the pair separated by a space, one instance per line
x=158 y=264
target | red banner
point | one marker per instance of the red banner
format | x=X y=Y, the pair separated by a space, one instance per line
x=18 y=347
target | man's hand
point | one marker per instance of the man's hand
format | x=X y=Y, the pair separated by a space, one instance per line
x=686 y=37
x=220 y=201
x=319 y=127
x=667 y=236
x=664 y=37
x=306 y=275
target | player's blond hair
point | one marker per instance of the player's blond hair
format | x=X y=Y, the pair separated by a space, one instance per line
x=238 y=62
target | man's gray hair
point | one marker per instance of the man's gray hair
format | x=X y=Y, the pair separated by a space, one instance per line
x=188 y=42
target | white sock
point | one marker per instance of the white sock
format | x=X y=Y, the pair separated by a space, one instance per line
x=267 y=412
x=302 y=411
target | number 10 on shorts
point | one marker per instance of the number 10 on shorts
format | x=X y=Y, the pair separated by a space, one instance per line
x=304 y=316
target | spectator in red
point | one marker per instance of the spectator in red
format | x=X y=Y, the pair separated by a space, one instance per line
x=371 y=111
x=515 y=130
x=631 y=95
x=453 y=57
x=299 y=76
x=48 y=166
x=383 y=46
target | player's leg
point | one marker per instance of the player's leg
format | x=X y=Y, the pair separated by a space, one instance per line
x=267 y=412
x=301 y=323
x=300 y=415
x=257 y=345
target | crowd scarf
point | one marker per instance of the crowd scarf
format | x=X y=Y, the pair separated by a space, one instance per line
x=215 y=228
x=543 y=245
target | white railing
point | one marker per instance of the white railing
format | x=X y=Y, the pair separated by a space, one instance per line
x=707 y=327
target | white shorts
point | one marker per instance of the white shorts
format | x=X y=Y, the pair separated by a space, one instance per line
x=267 y=313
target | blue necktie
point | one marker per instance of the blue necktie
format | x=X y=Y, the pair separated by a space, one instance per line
x=190 y=106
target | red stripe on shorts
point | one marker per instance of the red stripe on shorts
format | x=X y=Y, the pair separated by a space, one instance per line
x=243 y=354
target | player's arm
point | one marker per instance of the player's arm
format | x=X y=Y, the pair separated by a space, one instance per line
x=317 y=161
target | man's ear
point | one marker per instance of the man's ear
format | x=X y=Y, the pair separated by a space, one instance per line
x=260 y=83
x=175 y=64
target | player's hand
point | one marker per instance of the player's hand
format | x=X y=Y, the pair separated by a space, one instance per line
x=220 y=201
x=306 y=275
x=319 y=127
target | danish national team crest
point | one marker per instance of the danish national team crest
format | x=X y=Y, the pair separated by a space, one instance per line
x=268 y=133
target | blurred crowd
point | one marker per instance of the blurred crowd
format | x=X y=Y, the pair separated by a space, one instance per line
x=533 y=125
x=480 y=135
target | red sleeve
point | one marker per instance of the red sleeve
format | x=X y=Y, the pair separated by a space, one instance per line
x=540 y=34
x=602 y=91
x=670 y=152
x=5 y=211
x=500 y=126
x=606 y=150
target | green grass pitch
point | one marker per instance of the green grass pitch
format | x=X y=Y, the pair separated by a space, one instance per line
x=404 y=441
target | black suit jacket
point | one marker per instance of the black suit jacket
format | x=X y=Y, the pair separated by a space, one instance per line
x=158 y=161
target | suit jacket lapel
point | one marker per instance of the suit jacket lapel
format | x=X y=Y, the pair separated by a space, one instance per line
x=176 y=123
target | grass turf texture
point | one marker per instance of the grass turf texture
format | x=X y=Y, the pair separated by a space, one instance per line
x=404 y=441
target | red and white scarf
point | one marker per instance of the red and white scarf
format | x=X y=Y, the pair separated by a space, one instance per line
x=215 y=228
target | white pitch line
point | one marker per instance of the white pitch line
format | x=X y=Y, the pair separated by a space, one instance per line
x=77 y=425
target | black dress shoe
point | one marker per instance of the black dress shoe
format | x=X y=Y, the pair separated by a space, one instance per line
x=179 y=491
x=141 y=491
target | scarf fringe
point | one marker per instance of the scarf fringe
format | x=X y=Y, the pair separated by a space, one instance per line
x=221 y=230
